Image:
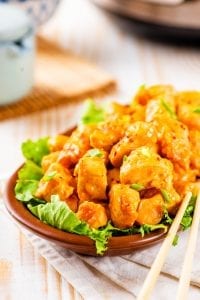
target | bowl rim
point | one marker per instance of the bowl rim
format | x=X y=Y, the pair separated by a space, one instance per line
x=24 y=217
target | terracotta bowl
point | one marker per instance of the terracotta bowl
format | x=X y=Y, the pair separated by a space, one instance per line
x=116 y=246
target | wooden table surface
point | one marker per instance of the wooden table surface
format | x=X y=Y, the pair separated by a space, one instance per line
x=132 y=60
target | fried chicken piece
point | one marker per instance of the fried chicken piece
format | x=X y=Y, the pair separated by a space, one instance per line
x=93 y=153
x=187 y=103
x=194 y=137
x=144 y=166
x=57 y=142
x=123 y=205
x=92 y=178
x=193 y=187
x=138 y=112
x=175 y=144
x=150 y=210
x=173 y=136
x=56 y=181
x=72 y=202
x=76 y=146
x=145 y=94
x=173 y=201
x=92 y=213
x=118 y=109
x=48 y=159
x=135 y=111
x=109 y=132
x=159 y=110
x=182 y=178
x=137 y=135
x=113 y=176
x=98 y=153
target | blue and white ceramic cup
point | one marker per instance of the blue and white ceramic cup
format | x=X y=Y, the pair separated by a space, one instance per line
x=40 y=10
x=17 y=44
x=17 y=52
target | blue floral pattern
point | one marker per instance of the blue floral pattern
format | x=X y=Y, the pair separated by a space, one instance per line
x=40 y=10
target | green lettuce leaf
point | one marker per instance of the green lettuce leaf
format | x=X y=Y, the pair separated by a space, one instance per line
x=92 y=113
x=25 y=189
x=57 y=214
x=27 y=183
x=101 y=237
x=30 y=171
x=143 y=229
x=167 y=220
x=146 y=228
x=35 y=150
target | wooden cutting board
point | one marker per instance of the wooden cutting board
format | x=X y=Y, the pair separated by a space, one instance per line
x=60 y=77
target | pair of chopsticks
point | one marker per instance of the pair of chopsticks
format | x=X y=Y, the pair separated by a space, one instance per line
x=154 y=272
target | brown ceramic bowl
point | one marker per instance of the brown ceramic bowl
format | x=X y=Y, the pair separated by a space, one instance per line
x=81 y=244
x=77 y=243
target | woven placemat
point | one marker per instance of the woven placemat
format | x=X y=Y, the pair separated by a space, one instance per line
x=60 y=77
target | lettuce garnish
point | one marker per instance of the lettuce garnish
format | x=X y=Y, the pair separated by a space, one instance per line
x=25 y=189
x=57 y=214
x=35 y=150
x=27 y=183
x=30 y=171
x=92 y=113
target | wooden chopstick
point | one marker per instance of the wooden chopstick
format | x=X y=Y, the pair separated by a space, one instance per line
x=158 y=263
x=189 y=254
x=164 y=2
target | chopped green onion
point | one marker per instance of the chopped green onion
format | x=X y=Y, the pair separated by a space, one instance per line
x=168 y=109
x=137 y=186
x=165 y=196
x=175 y=241
x=49 y=176
x=197 y=110
x=125 y=158
x=94 y=153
